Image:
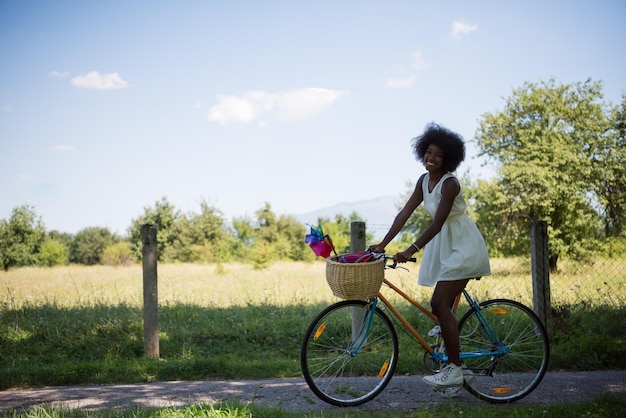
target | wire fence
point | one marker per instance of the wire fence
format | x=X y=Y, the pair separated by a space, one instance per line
x=592 y=283
x=596 y=283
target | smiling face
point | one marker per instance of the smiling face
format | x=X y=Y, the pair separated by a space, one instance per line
x=433 y=159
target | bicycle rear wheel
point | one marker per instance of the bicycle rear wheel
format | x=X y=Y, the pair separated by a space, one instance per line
x=342 y=367
x=511 y=376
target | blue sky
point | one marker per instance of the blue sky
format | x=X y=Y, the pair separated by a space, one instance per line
x=107 y=106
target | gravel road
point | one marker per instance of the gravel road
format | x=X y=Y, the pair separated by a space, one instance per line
x=403 y=394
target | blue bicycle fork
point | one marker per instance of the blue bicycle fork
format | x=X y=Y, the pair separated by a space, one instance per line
x=364 y=328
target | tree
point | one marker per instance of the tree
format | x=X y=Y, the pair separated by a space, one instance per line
x=608 y=160
x=163 y=216
x=262 y=250
x=244 y=236
x=89 y=244
x=203 y=236
x=542 y=141
x=244 y=230
x=21 y=238
x=291 y=239
x=277 y=238
x=62 y=237
x=498 y=222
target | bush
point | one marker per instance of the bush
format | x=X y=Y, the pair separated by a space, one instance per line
x=53 y=253
x=617 y=247
x=594 y=330
x=88 y=245
x=261 y=254
x=117 y=254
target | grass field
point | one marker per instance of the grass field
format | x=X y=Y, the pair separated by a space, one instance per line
x=73 y=324
x=287 y=283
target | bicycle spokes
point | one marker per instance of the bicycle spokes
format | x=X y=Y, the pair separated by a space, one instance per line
x=506 y=347
x=349 y=353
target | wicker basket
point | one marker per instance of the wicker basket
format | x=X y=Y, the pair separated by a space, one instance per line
x=355 y=281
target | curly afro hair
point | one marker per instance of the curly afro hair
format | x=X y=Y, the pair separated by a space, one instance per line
x=451 y=143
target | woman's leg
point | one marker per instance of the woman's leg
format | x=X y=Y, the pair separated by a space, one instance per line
x=442 y=302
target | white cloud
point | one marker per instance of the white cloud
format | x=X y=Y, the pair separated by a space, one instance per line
x=245 y=109
x=417 y=63
x=460 y=29
x=290 y=105
x=95 y=80
x=63 y=148
x=304 y=103
x=401 y=81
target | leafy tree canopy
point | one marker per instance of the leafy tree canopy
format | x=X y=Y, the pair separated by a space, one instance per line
x=163 y=216
x=546 y=143
x=21 y=237
x=89 y=244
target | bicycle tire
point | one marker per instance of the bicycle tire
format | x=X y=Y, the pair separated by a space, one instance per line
x=338 y=376
x=509 y=377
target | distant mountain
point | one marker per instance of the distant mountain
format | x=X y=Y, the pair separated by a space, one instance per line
x=378 y=213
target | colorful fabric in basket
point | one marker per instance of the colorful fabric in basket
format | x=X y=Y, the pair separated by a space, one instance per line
x=357 y=257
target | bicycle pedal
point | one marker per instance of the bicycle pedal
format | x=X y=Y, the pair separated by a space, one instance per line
x=435 y=331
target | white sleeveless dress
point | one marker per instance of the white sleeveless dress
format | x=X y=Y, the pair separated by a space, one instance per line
x=458 y=251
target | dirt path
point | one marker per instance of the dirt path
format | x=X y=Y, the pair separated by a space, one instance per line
x=404 y=394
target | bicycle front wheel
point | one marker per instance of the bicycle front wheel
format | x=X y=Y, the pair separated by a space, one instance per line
x=508 y=376
x=349 y=353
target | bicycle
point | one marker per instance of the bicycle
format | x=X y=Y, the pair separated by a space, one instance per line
x=350 y=350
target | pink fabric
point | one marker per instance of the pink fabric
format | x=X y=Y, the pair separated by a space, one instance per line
x=357 y=257
x=321 y=248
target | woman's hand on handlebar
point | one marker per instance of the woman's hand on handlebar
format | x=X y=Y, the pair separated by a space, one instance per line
x=404 y=256
x=377 y=248
x=401 y=257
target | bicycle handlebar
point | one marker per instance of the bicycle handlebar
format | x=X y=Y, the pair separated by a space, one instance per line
x=395 y=263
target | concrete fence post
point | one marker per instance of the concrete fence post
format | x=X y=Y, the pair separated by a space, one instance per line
x=357 y=236
x=540 y=268
x=357 y=243
x=150 y=291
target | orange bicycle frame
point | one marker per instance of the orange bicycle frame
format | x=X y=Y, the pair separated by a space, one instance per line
x=416 y=304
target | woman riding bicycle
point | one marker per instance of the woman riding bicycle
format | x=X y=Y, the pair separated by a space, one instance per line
x=454 y=249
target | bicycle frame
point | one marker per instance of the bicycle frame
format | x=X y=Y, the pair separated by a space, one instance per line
x=497 y=349
x=350 y=350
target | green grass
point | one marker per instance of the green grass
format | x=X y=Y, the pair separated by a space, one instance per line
x=606 y=406
x=73 y=325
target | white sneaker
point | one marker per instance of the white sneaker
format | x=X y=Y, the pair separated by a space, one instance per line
x=468 y=375
x=449 y=376
x=451 y=392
